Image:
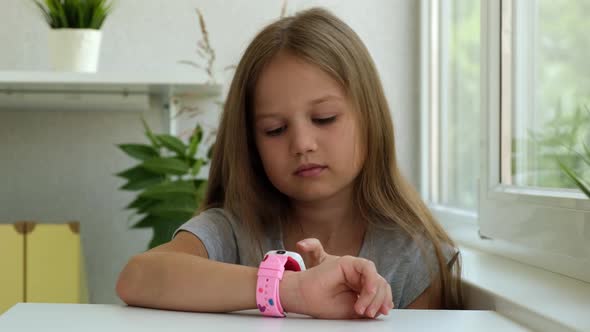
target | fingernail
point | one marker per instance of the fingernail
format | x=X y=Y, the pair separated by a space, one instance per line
x=361 y=310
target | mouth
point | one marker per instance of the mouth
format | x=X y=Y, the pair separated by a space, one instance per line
x=309 y=170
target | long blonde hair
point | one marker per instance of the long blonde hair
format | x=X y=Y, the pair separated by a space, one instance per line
x=238 y=183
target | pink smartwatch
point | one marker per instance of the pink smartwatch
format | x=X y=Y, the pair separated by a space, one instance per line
x=270 y=272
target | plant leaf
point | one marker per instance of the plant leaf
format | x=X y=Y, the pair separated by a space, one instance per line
x=71 y=11
x=194 y=141
x=84 y=14
x=197 y=166
x=166 y=166
x=579 y=182
x=150 y=134
x=139 y=151
x=163 y=232
x=140 y=178
x=148 y=221
x=138 y=173
x=173 y=144
x=61 y=14
x=141 y=184
x=80 y=17
x=44 y=11
x=173 y=211
x=99 y=13
x=587 y=150
x=167 y=189
x=142 y=204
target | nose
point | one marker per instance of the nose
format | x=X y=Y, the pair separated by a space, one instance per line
x=302 y=139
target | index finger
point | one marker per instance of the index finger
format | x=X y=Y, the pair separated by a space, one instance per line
x=312 y=251
x=365 y=280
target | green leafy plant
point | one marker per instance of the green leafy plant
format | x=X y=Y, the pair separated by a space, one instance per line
x=166 y=180
x=577 y=178
x=77 y=14
x=583 y=185
x=561 y=141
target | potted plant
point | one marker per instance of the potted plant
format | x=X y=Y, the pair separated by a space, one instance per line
x=75 y=36
x=166 y=179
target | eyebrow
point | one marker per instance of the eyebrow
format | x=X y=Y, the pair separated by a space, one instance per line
x=324 y=99
x=310 y=103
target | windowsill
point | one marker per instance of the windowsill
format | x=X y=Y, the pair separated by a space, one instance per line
x=531 y=296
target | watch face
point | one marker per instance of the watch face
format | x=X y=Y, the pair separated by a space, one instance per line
x=294 y=260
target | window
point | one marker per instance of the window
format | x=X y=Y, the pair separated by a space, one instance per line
x=451 y=65
x=549 y=110
x=459 y=120
x=534 y=113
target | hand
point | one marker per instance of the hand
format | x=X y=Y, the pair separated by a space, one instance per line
x=313 y=254
x=340 y=288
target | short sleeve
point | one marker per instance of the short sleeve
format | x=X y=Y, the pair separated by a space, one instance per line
x=416 y=268
x=214 y=228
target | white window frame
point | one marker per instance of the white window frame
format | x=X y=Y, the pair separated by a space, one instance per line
x=557 y=222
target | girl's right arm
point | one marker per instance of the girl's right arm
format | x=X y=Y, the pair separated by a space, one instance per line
x=179 y=276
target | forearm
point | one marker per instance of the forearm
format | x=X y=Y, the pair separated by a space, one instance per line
x=186 y=282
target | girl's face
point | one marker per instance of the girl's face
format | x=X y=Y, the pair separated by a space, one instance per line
x=306 y=130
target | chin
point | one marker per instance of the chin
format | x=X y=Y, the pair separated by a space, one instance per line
x=312 y=195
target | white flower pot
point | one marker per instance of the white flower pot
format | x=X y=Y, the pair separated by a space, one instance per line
x=74 y=49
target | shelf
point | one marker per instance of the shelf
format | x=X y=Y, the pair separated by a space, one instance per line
x=103 y=91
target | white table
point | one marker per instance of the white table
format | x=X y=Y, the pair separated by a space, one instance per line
x=102 y=317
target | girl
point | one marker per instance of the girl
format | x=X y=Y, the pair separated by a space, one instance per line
x=304 y=161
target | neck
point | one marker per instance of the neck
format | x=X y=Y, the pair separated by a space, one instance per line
x=332 y=221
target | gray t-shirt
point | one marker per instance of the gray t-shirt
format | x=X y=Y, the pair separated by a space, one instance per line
x=397 y=257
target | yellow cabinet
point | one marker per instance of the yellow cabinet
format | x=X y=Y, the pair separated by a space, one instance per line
x=12 y=281
x=43 y=264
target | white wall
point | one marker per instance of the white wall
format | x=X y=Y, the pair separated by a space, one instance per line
x=59 y=166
